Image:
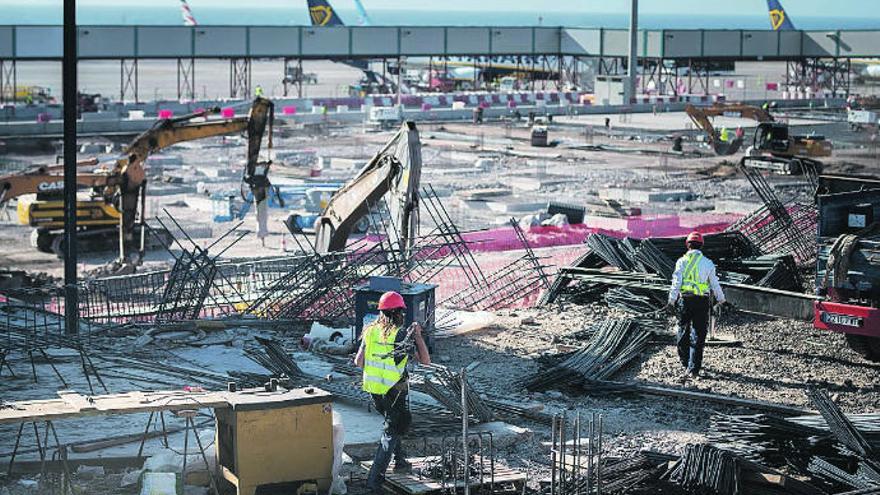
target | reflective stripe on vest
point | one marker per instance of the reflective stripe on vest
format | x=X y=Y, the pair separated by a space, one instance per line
x=691 y=282
x=380 y=371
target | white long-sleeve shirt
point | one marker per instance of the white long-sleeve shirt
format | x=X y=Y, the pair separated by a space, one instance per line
x=705 y=274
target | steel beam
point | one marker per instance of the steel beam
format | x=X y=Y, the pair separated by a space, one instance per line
x=128 y=79
x=8 y=81
x=186 y=78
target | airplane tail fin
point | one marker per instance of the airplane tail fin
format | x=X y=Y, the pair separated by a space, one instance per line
x=779 y=19
x=322 y=14
x=186 y=12
x=363 y=18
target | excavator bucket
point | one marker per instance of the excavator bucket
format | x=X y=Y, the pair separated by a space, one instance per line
x=727 y=148
x=394 y=173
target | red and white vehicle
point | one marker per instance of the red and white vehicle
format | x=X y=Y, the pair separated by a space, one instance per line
x=848 y=274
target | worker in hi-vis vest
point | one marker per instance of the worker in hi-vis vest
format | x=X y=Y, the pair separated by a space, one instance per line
x=693 y=283
x=383 y=354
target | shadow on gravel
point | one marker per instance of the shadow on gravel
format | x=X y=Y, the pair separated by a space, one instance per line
x=825 y=359
x=781 y=385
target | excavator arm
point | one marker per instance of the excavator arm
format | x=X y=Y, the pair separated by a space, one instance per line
x=256 y=174
x=128 y=175
x=700 y=116
x=120 y=181
x=396 y=170
x=46 y=179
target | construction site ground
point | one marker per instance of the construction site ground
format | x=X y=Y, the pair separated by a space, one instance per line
x=773 y=360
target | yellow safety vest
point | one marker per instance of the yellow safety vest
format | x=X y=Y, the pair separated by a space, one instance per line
x=381 y=372
x=725 y=135
x=691 y=282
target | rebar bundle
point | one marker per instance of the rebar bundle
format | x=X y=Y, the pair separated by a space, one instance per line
x=629 y=474
x=633 y=301
x=613 y=344
x=707 y=469
x=445 y=386
x=654 y=260
x=614 y=252
x=840 y=425
x=275 y=359
x=782 y=229
x=825 y=470
x=769 y=439
x=720 y=247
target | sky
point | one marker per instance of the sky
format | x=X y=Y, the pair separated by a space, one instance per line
x=804 y=8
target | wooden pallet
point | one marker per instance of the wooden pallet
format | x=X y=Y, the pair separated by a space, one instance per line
x=413 y=484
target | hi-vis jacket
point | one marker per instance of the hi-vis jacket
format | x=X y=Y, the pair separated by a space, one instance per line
x=695 y=274
x=381 y=370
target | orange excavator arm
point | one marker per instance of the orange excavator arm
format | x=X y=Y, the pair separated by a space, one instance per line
x=128 y=174
x=45 y=179
x=700 y=116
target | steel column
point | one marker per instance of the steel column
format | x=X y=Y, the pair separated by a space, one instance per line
x=71 y=307
x=633 y=63
x=240 y=78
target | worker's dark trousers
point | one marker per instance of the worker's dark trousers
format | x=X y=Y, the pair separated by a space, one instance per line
x=693 y=324
x=397 y=421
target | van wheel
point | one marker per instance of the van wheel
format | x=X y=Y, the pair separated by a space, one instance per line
x=867 y=347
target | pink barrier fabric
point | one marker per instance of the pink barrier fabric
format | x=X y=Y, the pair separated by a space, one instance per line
x=228 y=112
x=494 y=249
x=504 y=239
x=165 y=114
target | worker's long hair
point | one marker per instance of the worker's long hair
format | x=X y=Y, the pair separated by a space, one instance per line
x=389 y=319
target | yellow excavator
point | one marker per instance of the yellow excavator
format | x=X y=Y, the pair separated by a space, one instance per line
x=773 y=147
x=724 y=145
x=770 y=136
x=394 y=174
x=117 y=189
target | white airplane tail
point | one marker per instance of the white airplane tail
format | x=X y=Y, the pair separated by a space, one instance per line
x=186 y=12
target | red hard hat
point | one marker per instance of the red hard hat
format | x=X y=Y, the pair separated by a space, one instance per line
x=391 y=300
x=694 y=237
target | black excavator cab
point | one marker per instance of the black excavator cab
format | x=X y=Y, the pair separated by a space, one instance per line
x=772 y=137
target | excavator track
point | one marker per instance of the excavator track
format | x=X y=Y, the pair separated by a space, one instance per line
x=95 y=240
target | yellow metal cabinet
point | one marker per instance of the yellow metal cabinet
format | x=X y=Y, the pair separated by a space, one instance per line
x=271 y=438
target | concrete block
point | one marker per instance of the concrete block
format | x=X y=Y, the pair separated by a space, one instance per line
x=159 y=484
x=645 y=195
x=510 y=207
x=735 y=206
x=525 y=183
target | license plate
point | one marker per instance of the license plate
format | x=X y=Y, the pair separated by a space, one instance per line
x=843 y=320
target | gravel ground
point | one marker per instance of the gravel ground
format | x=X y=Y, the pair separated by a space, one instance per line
x=776 y=362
